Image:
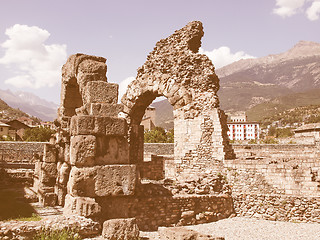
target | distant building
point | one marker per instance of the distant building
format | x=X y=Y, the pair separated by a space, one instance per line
x=47 y=124
x=4 y=129
x=308 y=133
x=241 y=129
x=28 y=121
x=149 y=118
x=18 y=128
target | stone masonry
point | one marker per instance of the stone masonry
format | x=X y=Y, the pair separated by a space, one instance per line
x=176 y=70
x=89 y=157
x=92 y=166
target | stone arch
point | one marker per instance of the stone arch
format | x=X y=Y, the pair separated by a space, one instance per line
x=77 y=72
x=175 y=70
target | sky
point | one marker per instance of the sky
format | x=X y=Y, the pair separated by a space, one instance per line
x=37 y=36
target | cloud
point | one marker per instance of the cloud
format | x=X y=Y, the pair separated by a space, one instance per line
x=124 y=85
x=223 y=56
x=35 y=64
x=313 y=11
x=287 y=8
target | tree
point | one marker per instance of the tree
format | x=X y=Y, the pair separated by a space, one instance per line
x=158 y=135
x=38 y=134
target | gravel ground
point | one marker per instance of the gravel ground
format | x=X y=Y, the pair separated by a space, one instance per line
x=252 y=229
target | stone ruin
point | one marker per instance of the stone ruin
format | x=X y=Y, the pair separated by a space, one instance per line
x=92 y=164
x=175 y=70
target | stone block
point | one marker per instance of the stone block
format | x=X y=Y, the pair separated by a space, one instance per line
x=37 y=168
x=87 y=207
x=105 y=109
x=82 y=125
x=101 y=92
x=48 y=173
x=69 y=205
x=112 y=150
x=90 y=125
x=61 y=192
x=115 y=180
x=180 y=233
x=83 y=206
x=124 y=229
x=113 y=126
x=63 y=174
x=110 y=180
x=93 y=66
x=83 y=150
x=82 y=182
x=48 y=199
x=50 y=153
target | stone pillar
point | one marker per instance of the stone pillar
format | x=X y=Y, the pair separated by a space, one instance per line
x=45 y=176
x=99 y=149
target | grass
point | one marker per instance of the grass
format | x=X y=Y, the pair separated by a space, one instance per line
x=57 y=234
x=13 y=206
x=34 y=217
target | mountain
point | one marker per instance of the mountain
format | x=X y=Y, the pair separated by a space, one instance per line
x=248 y=82
x=30 y=103
x=164 y=114
x=8 y=113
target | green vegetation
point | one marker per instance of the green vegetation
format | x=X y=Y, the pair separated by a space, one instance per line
x=252 y=141
x=159 y=135
x=270 y=140
x=34 y=217
x=57 y=234
x=38 y=134
x=280 y=132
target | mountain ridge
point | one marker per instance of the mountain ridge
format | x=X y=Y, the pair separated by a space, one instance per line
x=30 y=103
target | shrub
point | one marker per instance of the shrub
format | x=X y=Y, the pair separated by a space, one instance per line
x=57 y=234
x=38 y=134
x=158 y=135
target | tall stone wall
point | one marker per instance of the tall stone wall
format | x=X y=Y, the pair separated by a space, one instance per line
x=174 y=69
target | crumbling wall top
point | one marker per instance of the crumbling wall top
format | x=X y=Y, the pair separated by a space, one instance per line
x=176 y=70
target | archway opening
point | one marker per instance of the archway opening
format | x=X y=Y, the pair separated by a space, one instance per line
x=73 y=99
x=158 y=139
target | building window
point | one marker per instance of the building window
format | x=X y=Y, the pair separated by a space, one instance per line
x=1 y=129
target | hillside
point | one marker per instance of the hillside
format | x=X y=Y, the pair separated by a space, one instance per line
x=280 y=104
x=249 y=82
x=305 y=114
x=30 y=103
x=8 y=113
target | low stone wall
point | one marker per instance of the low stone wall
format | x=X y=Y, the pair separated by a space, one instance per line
x=154 y=211
x=291 y=177
x=276 y=151
x=278 y=207
x=18 y=152
x=159 y=148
